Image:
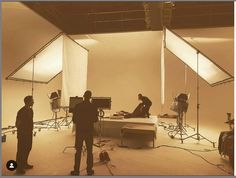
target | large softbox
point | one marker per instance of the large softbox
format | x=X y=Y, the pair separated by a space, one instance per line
x=206 y=68
x=61 y=54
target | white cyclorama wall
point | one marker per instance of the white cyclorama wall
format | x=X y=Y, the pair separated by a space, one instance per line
x=122 y=65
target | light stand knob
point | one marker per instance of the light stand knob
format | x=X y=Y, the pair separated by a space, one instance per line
x=101 y=113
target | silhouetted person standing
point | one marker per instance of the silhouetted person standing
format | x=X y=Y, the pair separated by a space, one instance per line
x=146 y=102
x=24 y=125
x=84 y=115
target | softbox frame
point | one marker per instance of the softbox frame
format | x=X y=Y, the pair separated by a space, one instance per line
x=60 y=54
x=195 y=59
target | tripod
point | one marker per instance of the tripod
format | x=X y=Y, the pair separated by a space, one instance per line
x=55 y=123
x=55 y=107
x=187 y=125
x=179 y=129
x=65 y=121
x=198 y=136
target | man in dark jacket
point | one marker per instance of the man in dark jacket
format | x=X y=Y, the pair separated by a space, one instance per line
x=146 y=102
x=24 y=125
x=84 y=115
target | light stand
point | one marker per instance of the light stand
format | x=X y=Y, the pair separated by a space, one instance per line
x=55 y=108
x=187 y=125
x=100 y=142
x=185 y=83
x=198 y=135
x=65 y=121
x=179 y=129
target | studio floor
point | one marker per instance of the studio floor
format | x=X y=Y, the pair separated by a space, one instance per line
x=136 y=158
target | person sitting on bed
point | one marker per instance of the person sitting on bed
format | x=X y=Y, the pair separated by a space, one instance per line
x=146 y=102
x=138 y=112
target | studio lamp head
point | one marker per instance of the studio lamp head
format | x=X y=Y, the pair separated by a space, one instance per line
x=54 y=95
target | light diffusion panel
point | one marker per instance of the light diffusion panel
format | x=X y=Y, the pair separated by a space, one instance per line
x=206 y=68
x=74 y=71
x=44 y=65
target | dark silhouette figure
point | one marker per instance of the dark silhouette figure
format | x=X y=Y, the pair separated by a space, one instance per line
x=138 y=112
x=146 y=102
x=24 y=125
x=84 y=115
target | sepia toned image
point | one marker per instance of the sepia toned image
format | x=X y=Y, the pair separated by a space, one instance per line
x=117 y=88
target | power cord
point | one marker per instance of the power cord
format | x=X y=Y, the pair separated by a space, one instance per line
x=191 y=151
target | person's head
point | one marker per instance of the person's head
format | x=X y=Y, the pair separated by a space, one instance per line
x=28 y=100
x=87 y=95
x=140 y=96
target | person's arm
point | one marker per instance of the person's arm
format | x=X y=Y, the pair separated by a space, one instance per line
x=75 y=115
x=18 y=119
x=146 y=101
x=95 y=113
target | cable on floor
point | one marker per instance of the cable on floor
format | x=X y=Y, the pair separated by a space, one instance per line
x=191 y=151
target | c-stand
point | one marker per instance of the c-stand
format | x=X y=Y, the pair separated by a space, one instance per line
x=179 y=129
x=198 y=136
x=100 y=142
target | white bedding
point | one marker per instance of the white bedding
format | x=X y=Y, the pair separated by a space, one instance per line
x=112 y=127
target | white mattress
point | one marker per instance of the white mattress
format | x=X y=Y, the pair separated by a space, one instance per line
x=111 y=127
x=152 y=120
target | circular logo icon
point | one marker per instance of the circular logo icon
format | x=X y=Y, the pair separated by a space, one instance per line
x=11 y=165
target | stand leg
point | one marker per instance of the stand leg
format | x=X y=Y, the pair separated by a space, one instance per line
x=100 y=141
x=179 y=129
x=55 y=124
x=198 y=135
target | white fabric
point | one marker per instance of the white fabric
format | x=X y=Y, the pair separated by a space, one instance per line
x=47 y=64
x=163 y=71
x=185 y=77
x=74 y=70
x=112 y=127
x=207 y=70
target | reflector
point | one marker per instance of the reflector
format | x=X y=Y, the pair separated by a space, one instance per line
x=44 y=64
x=60 y=54
x=208 y=70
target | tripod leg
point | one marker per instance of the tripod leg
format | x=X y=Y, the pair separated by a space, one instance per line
x=213 y=143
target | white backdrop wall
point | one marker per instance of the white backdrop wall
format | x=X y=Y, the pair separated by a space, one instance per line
x=122 y=65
